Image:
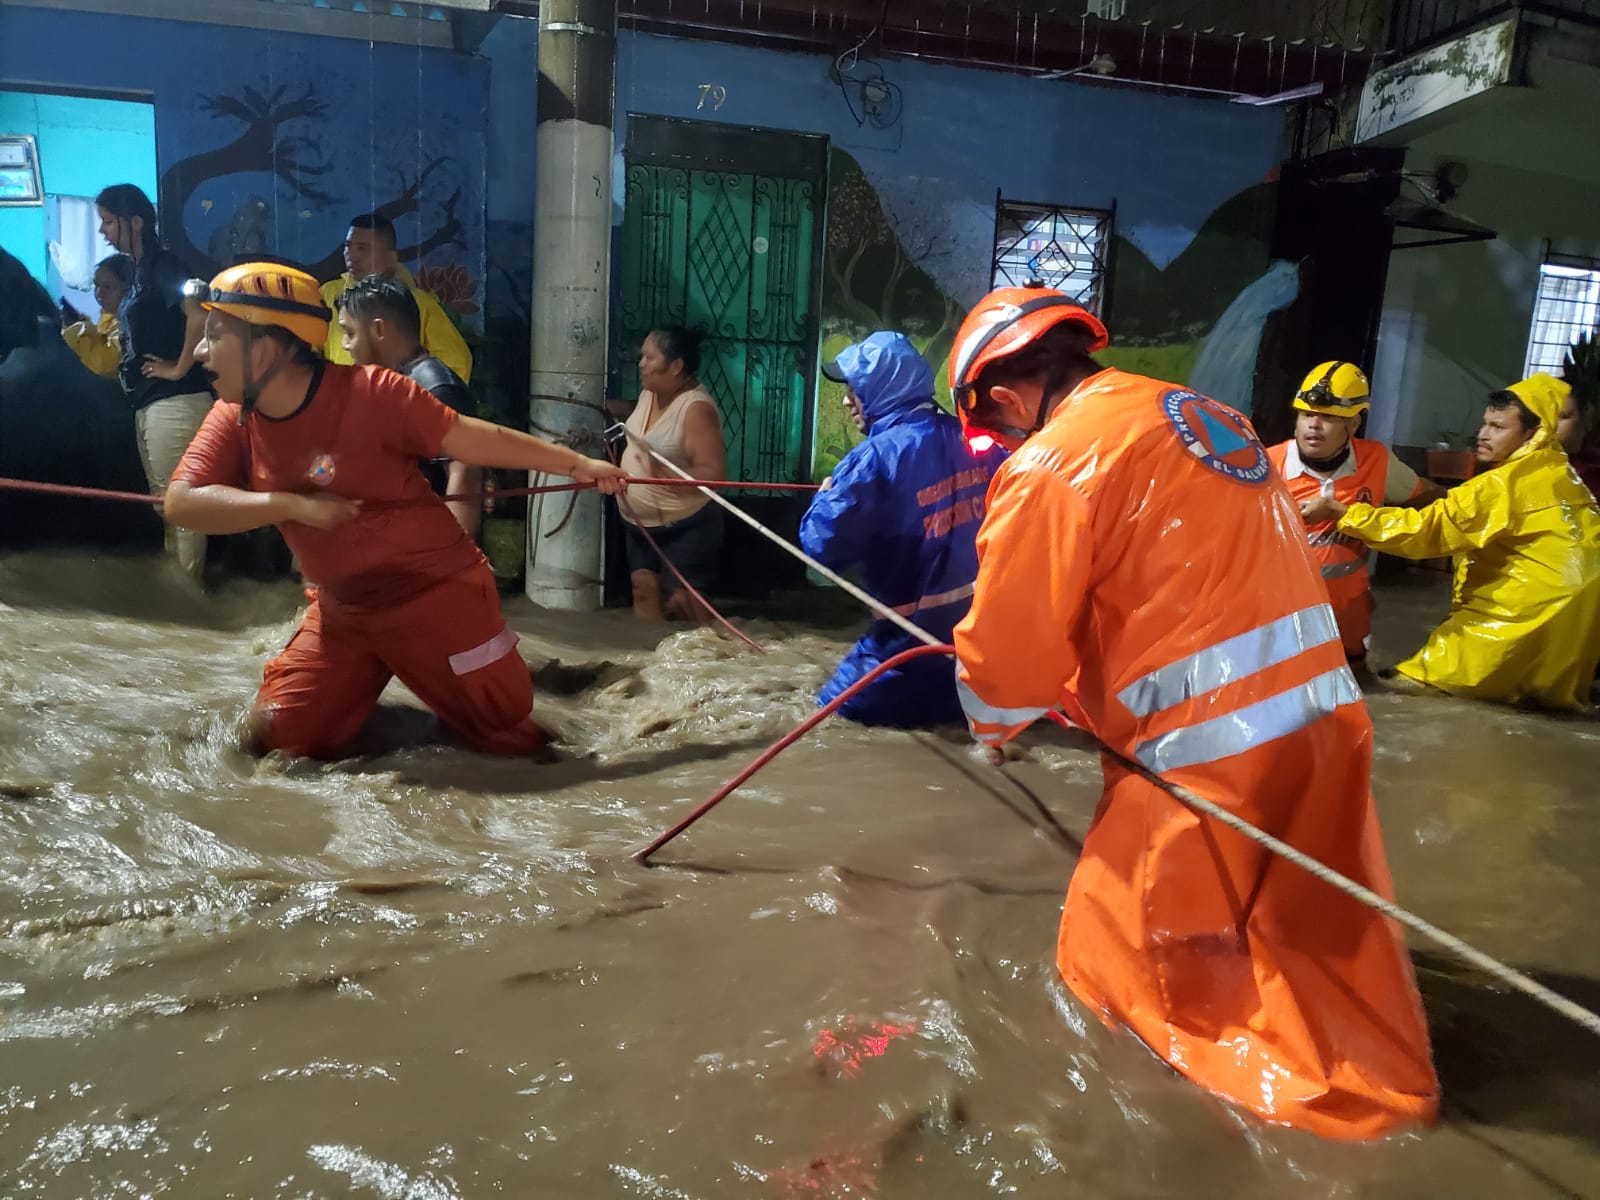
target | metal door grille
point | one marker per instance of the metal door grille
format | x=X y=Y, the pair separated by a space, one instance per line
x=733 y=254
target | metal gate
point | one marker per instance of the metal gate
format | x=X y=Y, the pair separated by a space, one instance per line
x=721 y=232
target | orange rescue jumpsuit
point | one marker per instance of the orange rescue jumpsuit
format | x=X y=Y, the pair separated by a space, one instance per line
x=1371 y=474
x=401 y=590
x=1143 y=565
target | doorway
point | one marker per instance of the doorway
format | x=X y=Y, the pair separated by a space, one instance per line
x=722 y=233
x=83 y=144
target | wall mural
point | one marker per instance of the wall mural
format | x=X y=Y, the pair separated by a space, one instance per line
x=276 y=157
x=904 y=253
x=285 y=137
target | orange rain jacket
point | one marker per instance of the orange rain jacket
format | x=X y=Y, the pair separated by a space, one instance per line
x=1370 y=474
x=1143 y=565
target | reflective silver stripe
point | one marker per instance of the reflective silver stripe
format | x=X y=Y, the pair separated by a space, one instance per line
x=1251 y=726
x=481 y=655
x=1340 y=570
x=1238 y=657
x=981 y=713
x=938 y=601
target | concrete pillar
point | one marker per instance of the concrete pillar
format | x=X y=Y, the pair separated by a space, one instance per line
x=571 y=279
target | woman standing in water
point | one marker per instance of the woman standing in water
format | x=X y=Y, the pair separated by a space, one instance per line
x=675 y=420
x=158 y=373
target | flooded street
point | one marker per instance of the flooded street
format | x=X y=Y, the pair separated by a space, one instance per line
x=426 y=973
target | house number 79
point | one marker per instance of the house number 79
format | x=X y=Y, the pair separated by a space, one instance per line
x=713 y=92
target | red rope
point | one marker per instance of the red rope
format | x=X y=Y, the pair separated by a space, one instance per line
x=727 y=485
x=789 y=739
x=627 y=509
x=89 y=493
x=85 y=493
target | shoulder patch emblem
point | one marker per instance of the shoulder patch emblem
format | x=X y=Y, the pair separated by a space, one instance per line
x=1218 y=437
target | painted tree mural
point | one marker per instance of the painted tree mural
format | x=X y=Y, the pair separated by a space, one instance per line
x=298 y=160
x=886 y=250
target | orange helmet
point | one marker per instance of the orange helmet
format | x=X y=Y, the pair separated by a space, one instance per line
x=269 y=294
x=1005 y=321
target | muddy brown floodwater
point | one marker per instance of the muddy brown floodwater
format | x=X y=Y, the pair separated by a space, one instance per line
x=423 y=973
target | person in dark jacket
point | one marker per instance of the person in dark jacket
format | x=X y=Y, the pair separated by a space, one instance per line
x=381 y=324
x=60 y=423
x=905 y=505
x=165 y=387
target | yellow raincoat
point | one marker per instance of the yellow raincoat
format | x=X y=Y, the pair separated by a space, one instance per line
x=1524 y=624
x=440 y=337
x=99 y=346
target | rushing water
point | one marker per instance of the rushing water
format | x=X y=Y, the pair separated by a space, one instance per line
x=424 y=973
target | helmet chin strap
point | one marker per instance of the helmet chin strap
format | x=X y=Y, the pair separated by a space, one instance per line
x=1332 y=463
x=253 y=386
x=1015 y=432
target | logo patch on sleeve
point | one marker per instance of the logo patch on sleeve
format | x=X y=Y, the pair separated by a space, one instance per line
x=1218 y=437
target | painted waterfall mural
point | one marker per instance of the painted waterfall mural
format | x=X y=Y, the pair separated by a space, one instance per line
x=908 y=253
x=1225 y=368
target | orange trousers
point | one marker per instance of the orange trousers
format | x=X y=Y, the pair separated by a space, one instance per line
x=1247 y=974
x=1353 y=607
x=449 y=645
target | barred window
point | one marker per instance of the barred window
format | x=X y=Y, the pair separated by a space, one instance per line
x=1064 y=248
x=1566 y=306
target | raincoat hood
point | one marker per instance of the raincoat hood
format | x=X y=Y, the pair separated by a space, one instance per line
x=1544 y=395
x=887 y=373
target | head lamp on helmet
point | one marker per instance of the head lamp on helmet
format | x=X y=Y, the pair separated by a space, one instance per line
x=1003 y=323
x=1335 y=389
x=271 y=294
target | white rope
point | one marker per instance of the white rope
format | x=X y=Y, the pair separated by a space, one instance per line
x=888 y=614
x=1509 y=975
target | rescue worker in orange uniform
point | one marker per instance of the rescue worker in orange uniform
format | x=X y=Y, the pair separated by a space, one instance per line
x=1141 y=566
x=1326 y=458
x=330 y=454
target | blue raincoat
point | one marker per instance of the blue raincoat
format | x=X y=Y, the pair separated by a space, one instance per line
x=905 y=505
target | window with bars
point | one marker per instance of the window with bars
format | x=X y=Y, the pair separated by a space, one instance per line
x=1064 y=248
x=1566 y=306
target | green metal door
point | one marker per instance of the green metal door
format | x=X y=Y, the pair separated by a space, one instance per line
x=720 y=233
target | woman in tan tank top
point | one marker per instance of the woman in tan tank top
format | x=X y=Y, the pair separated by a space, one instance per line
x=676 y=420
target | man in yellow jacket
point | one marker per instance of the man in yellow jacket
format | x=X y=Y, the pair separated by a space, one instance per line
x=371 y=248
x=1524 y=625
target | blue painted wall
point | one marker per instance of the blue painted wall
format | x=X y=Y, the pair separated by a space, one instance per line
x=272 y=141
x=911 y=204
x=512 y=52
x=81 y=143
x=1192 y=181
x=1166 y=161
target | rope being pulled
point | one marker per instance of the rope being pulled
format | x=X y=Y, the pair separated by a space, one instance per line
x=89 y=493
x=930 y=645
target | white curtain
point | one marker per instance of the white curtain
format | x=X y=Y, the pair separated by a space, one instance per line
x=81 y=247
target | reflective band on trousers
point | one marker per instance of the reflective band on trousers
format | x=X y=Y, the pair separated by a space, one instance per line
x=1251 y=726
x=938 y=601
x=1226 y=662
x=496 y=648
x=1340 y=570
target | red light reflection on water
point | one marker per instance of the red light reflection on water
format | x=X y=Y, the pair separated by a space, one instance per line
x=836 y=1178
x=850 y=1045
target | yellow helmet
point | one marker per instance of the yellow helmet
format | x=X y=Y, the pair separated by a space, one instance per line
x=1335 y=389
x=270 y=294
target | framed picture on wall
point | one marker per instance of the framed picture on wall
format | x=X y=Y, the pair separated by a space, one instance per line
x=19 y=171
